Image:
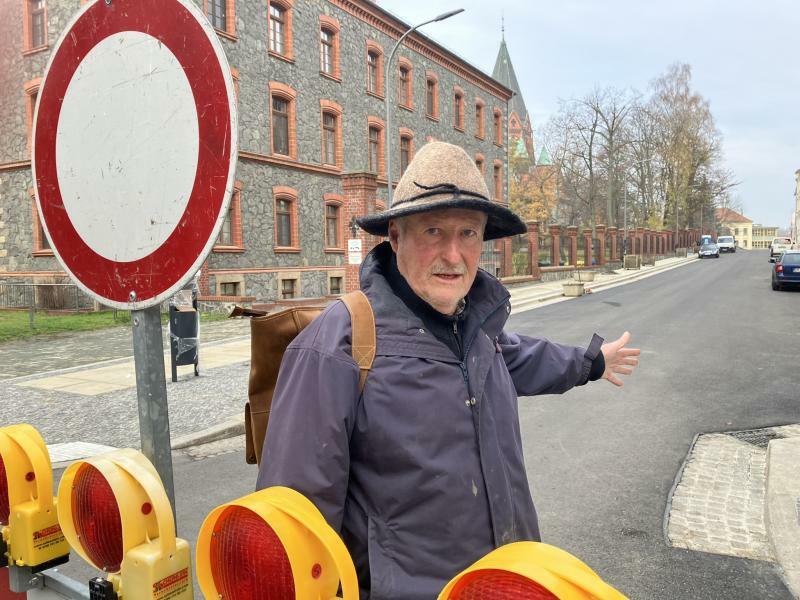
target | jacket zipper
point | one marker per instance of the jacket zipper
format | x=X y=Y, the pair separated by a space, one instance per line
x=471 y=401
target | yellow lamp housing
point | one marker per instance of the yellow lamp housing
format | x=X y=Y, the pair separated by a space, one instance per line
x=115 y=513
x=31 y=533
x=276 y=541
x=529 y=571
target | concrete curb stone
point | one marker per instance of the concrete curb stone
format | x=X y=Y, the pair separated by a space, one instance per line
x=782 y=508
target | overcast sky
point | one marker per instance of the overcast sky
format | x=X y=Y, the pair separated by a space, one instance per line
x=745 y=58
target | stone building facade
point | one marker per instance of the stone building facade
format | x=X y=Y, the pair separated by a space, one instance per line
x=309 y=76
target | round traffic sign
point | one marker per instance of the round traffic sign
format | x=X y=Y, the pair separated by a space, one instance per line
x=134 y=148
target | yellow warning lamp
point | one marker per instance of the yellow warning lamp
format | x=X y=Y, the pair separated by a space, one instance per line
x=529 y=571
x=116 y=514
x=28 y=517
x=272 y=545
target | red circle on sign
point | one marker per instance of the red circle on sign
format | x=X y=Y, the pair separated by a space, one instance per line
x=150 y=277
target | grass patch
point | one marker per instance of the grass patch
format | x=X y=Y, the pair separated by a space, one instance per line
x=15 y=324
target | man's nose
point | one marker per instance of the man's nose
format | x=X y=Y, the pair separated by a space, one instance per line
x=451 y=252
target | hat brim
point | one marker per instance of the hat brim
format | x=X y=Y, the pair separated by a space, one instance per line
x=501 y=221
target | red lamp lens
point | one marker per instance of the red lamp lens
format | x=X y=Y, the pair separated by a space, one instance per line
x=95 y=514
x=5 y=507
x=491 y=584
x=248 y=561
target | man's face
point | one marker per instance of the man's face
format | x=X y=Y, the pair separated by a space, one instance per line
x=438 y=253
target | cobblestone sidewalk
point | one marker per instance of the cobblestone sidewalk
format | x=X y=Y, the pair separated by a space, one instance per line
x=718 y=503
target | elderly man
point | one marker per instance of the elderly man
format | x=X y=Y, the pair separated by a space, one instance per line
x=423 y=472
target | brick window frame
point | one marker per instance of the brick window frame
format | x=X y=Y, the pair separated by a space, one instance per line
x=404 y=64
x=497 y=127
x=406 y=134
x=236 y=279
x=480 y=162
x=374 y=122
x=230 y=19
x=235 y=77
x=282 y=192
x=27 y=34
x=336 y=200
x=31 y=90
x=41 y=246
x=287 y=6
x=497 y=180
x=431 y=77
x=332 y=275
x=458 y=108
x=235 y=217
x=377 y=49
x=331 y=25
x=480 y=118
x=283 y=91
x=332 y=108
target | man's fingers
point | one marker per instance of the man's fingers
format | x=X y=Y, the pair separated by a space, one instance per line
x=630 y=351
x=630 y=361
x=616 y=381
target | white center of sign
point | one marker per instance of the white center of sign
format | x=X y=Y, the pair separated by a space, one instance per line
x=127 y=146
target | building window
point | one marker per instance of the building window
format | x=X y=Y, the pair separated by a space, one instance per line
x=230 y=236
x=326 y=50
x=37 y=23
x=283 y=222
x=479 y=164
x=328 y=139
x=31 y=89
x=374 y=149
x=288 y=289
x=479 y=131
x=405 y=153
x=332 y=226
x=497 y=123
x=217 y=14
x=431 y=96
x=280 y=125
x=335 y=286
x=404 y=86
x=280 y=29
x=497 y=180
x=374 y=68
x=225 y=237
x=458 y=110
x=41 y=245
x=229 y=288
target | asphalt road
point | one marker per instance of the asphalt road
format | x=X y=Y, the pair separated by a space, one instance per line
x=718 y=353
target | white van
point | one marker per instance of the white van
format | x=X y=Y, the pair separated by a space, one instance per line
x=726 y=243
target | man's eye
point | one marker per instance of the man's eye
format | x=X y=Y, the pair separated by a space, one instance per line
x=469 y=233
x=433 y=231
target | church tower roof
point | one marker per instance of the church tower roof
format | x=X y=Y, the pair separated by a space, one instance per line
x=504 y=73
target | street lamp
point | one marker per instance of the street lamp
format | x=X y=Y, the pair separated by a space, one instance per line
x=625 y=202
x=388 y=101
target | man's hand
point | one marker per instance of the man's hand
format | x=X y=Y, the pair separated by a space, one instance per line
x=619 y=359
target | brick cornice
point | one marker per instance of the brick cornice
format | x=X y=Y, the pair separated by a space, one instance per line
x=23 y=164
x=288 y=163
x=382 y=21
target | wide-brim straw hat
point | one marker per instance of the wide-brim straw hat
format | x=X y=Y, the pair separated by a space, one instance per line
x=440 y=176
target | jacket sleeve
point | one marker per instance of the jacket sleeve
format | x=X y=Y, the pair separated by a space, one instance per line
x=539 y=366
x=310 y=423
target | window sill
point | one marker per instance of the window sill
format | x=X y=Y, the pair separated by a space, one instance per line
x=228 y=249
x=335 y=78
x=286 y=250
x=36 y=50
x=375 y=95
x=459 y=129
x=282 y=57
x=404 y=107
x=284 y=156
x=331 y=167
x=42 y=253
x=433 y=118
x=334 y=250
x=228 y=36
x=498 y=145
x=480 y=137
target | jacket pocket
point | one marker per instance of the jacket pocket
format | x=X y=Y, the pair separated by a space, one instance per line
x=381 y=565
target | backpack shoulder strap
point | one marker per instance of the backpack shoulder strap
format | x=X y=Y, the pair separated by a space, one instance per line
x=363 y=326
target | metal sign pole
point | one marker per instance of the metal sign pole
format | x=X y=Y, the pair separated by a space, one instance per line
x=151 y=391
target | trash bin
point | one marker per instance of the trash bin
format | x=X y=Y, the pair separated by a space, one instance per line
x=184 y=329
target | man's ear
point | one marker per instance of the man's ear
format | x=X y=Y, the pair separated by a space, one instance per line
x=394 y=234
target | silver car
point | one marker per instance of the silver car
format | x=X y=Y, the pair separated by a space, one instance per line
x=708 y=251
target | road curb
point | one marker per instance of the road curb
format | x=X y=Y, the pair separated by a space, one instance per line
x=229 y=428
x=782 y=508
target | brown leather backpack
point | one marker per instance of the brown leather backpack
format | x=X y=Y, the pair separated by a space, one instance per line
x=270 y=335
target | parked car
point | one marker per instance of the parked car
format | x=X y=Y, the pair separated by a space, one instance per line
x=726 y=243
x=778 y=246
x=786 y=270
x=708 y=251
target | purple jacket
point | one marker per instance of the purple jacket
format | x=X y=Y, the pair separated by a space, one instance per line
x=424 y=473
